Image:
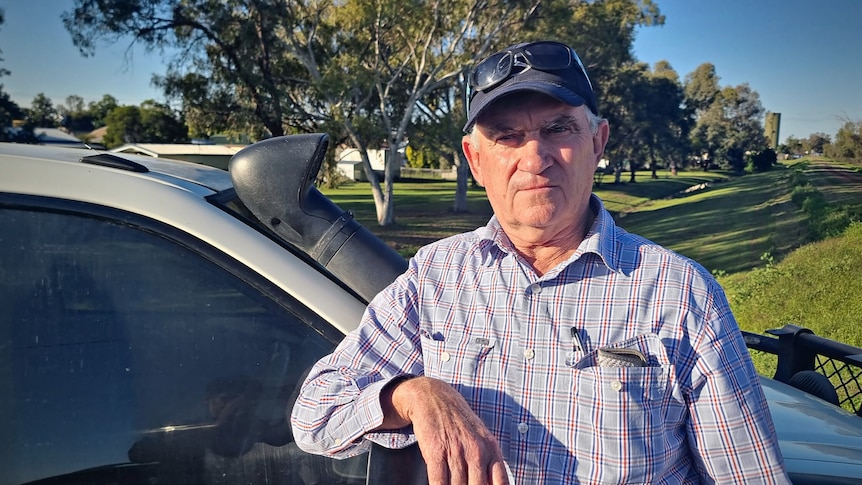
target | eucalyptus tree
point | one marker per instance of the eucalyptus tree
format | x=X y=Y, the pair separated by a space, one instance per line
x=743 y=114
x=729 y=120
x=42 y=113
x=647 y=114
x=601 y=31
x=848 y=142
x=151 y=122
x=674 y=120
x=392 y=64
x=665 y=121
x=359 y=66
x=817 y=142
x=99 y=109
x=603 y=34
x=9 y=110
x=626 y=105
x=74 y=115
x=701 y=88
x=793 y=145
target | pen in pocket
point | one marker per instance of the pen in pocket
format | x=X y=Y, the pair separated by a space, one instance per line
x=576 y=341
x=572 y=355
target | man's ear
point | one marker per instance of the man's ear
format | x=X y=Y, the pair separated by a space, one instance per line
x=472 y=156
x=600 y=140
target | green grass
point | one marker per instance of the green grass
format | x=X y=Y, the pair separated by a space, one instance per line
x=423 y=211
x=627 y=197
x=815 y=287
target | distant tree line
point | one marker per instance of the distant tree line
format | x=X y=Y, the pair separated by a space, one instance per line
x=847 y=144
x=151 y=122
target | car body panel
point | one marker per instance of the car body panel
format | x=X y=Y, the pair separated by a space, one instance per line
x=816 y=437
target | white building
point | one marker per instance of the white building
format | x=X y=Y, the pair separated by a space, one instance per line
x=349 y=163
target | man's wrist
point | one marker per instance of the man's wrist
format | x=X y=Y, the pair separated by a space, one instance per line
x=394 y=416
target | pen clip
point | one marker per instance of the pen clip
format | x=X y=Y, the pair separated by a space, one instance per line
x=576 y=341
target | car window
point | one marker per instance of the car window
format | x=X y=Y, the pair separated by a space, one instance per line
x=126 y=356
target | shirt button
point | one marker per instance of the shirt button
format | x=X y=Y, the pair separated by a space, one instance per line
x=616 y=385
x=536 y=289
x=529 y=354
x=523 y=428
x=445 y=356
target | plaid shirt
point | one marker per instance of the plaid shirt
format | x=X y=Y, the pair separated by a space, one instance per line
x=521 y=348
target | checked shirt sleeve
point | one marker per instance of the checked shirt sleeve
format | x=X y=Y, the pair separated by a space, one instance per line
x=339 y=403
x=730 y=431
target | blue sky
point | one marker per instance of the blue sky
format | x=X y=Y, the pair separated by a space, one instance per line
x=802 y=56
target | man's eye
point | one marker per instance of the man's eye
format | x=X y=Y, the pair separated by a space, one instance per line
x=559 y=129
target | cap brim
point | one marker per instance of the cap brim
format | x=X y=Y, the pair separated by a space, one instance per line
x=554 y=90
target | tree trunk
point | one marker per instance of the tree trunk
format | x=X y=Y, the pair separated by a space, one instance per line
x=382 y=201
x=391 y=170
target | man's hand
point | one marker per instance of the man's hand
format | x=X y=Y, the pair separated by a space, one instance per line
x=456 y=445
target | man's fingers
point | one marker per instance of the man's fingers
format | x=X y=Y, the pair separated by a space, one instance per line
x=457 y=471
x=438 y=472
x=478 y=474
x=456 y=445
x=499 y=474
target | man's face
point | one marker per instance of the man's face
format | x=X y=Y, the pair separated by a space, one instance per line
x=536 y=156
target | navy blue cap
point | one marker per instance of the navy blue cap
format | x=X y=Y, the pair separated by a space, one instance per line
x=570 y=85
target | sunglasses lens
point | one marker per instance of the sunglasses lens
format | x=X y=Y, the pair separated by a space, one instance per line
x=492 y=70
x=548 y=56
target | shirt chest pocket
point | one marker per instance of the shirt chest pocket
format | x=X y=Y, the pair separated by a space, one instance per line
x=628 y=388
x=630 y=371
x=458 y=359
x=622 y=412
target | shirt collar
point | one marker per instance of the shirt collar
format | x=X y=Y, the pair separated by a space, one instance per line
x=600 y=239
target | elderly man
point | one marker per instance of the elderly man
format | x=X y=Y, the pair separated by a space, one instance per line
x=551 y=341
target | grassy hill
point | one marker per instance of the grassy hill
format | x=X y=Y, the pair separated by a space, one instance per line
x=728 y=225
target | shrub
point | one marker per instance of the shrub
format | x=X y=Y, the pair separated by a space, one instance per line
x=762 y=160
x=801 y=193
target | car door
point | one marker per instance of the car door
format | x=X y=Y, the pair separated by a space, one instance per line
x=131 y=352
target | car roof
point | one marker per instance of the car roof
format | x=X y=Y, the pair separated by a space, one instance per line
x=212 y=178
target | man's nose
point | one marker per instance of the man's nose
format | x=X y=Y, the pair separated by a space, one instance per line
x=534 y=156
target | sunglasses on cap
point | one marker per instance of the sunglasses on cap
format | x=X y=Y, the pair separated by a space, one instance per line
x=542 y=55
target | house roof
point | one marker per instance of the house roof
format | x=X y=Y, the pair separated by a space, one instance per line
x=98 y=134
x=57 y=137
x=54 y=135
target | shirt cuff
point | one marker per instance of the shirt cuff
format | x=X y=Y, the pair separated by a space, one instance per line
x=370 y=401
